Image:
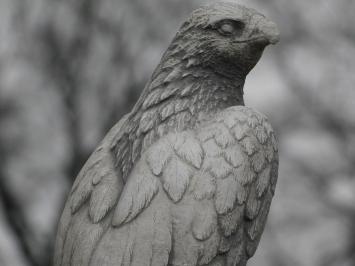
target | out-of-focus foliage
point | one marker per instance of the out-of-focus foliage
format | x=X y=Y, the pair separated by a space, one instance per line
x=70 y=69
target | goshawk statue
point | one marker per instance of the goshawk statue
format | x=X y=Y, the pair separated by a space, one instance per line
x=187 y=177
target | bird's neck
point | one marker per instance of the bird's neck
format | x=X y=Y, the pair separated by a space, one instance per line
x=181 y=93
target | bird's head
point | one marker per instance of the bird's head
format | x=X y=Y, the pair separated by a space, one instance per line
x=203 y=69
x=227 y=34
x=206 y=64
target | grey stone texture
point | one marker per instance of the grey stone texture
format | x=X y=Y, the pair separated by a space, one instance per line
x=187 y=177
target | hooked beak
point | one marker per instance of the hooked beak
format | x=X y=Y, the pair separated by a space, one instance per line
x=270 y=31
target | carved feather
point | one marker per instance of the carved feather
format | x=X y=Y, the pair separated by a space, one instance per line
x=209 y=249
x=204 y=185
x=190 y=150
x=152 y=99
x=139 y=190
x=204 y=222
x=176 y=178
x=234 y=156
x=104 y=197
x=231 y=221
x=223 y=137
x=81 y=194
x=258 y=161
x=218 y=167
x=226 y=194
x=158 y=155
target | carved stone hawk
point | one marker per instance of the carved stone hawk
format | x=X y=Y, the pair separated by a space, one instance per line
x=187 y=177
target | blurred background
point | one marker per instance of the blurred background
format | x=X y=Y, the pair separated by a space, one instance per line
x=70 y=69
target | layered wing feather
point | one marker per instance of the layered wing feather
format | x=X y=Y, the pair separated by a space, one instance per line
x=221 y=215
x=197 y=197
x=99 y=225
x=87 y=211
x=243 y=198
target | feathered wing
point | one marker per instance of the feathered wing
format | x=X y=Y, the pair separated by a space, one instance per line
x=241 y=155
x=223 y=188
x=98 y=225
x=86 y=213
x=198 y=197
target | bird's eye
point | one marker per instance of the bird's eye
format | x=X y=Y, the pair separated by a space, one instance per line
x=226 y=28
x=230 y=27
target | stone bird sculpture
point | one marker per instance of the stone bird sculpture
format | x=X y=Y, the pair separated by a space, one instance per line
x=187 y=177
